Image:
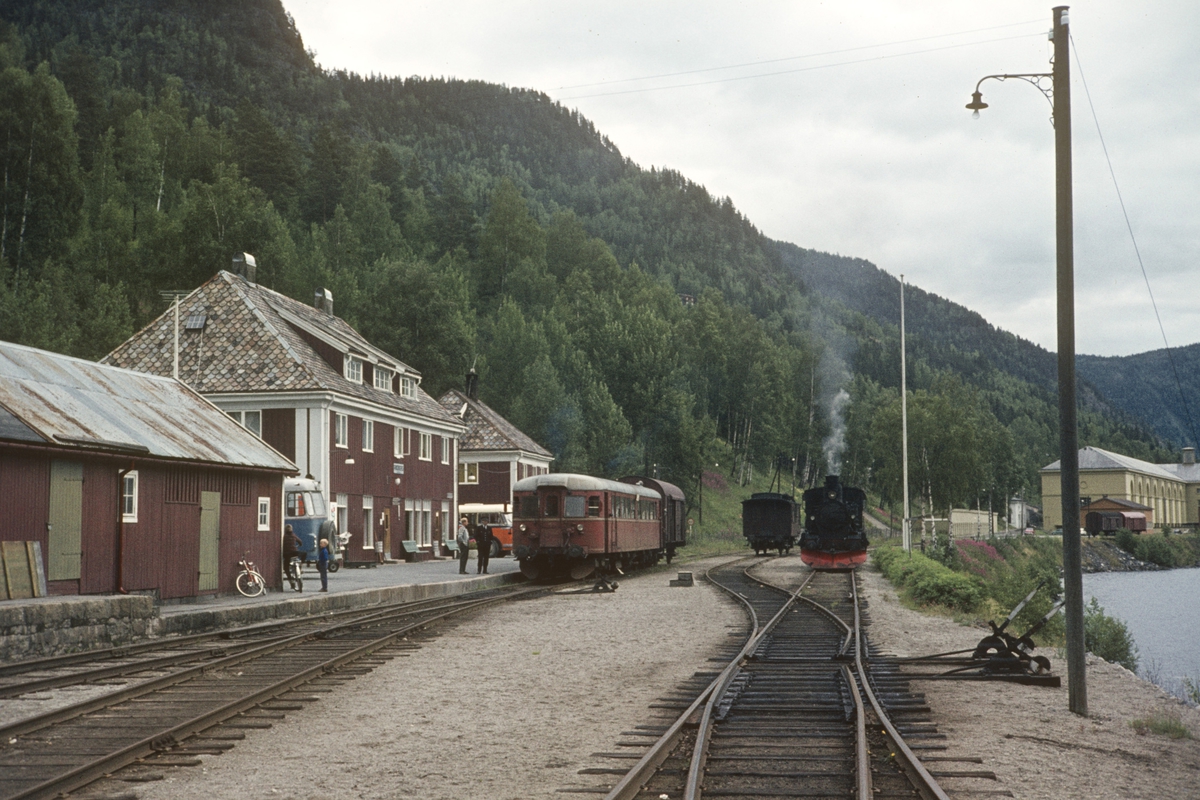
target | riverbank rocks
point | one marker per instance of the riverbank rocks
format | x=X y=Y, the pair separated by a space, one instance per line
x=1103 y=555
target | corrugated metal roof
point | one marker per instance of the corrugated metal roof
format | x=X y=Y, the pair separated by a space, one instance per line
x=1096 y=459
x=77 y=403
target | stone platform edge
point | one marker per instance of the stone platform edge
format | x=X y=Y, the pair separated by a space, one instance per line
x=56 y=625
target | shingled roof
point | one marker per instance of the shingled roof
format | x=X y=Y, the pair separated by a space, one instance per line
x=249 y=339
x=1120 y=502
x=487 y=430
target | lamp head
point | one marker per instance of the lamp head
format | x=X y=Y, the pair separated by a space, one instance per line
x=976 y=104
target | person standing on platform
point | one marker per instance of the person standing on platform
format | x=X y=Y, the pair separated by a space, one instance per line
x=483 y=545
x=463 y=539
x=323 y=564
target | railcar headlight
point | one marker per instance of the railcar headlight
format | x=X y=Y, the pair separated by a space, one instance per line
x=579 y=527
x=523 y=529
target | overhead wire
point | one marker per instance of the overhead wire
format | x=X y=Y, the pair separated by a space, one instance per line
x=795 y=58
x=1137 y=251
x=796 y=70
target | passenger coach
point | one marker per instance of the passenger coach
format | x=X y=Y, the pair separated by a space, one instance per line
x=567 y=524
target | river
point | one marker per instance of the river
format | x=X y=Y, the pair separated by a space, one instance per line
x=1162 y=611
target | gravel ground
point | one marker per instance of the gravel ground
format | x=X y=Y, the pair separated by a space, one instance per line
x=513 y=702
x=509 y=704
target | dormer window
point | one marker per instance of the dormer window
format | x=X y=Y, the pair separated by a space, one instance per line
x=383 y=378
x=353 y=369
x=408 y=387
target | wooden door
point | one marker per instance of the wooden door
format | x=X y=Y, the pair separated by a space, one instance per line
x=65 y=521
x=210 y=540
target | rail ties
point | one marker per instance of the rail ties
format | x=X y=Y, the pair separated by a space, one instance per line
x=790 y=715
x=786 y=727
x=199 y=707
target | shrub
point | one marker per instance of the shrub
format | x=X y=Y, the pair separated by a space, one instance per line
x=927 y=581
x=978 y=557
x=1155 y=550
x=1108 y=637
x=1127 y=540
x=945 y=587
x=1191 y=690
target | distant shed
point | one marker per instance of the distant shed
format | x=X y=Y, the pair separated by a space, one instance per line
x=131 y=482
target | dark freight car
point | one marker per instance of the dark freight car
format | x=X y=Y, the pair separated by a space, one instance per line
x=770 y=521
x=1109 y=522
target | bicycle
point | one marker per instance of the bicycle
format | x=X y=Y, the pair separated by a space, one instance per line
x=249 y=581
x=295 y=579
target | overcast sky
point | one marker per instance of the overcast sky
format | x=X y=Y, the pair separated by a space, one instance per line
x=840 y=126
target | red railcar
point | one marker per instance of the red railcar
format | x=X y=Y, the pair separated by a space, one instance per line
x=568 y=524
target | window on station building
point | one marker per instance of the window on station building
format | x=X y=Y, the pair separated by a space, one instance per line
x=408 y=387
x=341 y=430
x=446 y=449
x=426 y=453
x=250 y=420
x=129 y=497
x=369 y=522
x=264 y=513
x=383 y=378
x=468 y=473
x=353 y=369
x=368 y=443
x=343 y=513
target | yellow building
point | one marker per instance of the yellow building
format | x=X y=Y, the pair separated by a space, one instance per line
x=1172 y=491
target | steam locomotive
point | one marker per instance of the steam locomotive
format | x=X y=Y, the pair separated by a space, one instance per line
x=833 y=537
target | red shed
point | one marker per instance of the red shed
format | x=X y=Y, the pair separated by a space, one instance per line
x=131 y=482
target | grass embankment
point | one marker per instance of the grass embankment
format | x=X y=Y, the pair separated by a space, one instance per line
x=716 y=514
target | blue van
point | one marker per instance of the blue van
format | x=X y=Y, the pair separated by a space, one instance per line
x=304 y=509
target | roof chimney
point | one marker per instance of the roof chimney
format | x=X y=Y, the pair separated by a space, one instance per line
x=244 y=265
x=472 y=384
x=1189 y=455
x=323 y=301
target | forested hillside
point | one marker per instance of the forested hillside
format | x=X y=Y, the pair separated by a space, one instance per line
x=624 y=317
x=1145 y=385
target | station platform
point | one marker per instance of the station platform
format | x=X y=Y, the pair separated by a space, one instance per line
x=47 y=626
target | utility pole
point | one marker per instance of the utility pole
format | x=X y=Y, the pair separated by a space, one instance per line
x=905 y=534
x=1068 y=431
x=1059 y=95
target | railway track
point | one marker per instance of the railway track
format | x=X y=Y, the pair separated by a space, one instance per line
x=791 y=715
x=199 y=697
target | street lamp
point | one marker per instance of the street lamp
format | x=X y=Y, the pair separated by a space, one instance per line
x=1059 y=95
